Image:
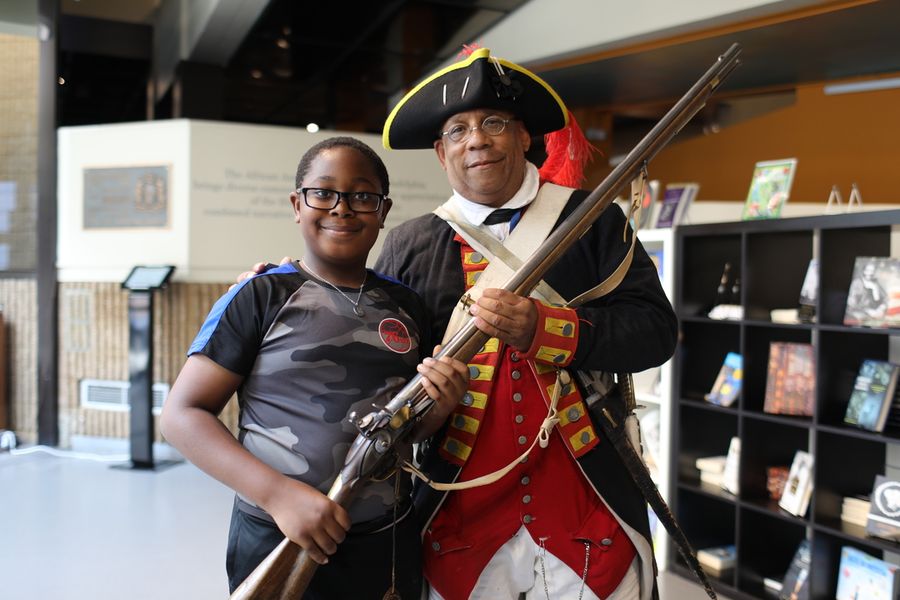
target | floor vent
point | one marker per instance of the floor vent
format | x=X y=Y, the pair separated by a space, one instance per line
x=113 y=395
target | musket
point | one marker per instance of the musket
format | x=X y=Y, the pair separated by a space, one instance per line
x=288 y=569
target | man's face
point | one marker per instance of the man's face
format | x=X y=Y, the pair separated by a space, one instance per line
x=483 y=168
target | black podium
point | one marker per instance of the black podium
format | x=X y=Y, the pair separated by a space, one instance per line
x=142 y=282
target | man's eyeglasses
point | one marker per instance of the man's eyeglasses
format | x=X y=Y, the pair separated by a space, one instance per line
x=492 y=125
x=323 y=199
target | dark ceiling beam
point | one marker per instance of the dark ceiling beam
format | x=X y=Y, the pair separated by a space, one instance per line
x=359 y=39
x=199 y=31
x=84 y=35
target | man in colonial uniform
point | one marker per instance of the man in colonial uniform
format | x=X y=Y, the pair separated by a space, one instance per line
x=566 y=520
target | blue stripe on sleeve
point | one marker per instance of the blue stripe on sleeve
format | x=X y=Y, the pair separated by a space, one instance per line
x=218 y=309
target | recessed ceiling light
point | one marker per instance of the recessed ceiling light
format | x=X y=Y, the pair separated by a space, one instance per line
x=312 y=128
x=61 y=80
x=256 y=74
x=283 y=43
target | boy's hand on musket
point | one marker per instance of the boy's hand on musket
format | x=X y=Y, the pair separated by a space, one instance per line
x=260 y=267
x=507 y=316
x=445 y=380
x=309 y=518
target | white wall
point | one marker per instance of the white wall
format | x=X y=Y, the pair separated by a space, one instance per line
x=534 y=32
x=228 y=201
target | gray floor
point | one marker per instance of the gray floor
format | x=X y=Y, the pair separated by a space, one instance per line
x=73 y=528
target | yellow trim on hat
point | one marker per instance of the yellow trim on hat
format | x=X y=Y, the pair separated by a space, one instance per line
x=478 y=54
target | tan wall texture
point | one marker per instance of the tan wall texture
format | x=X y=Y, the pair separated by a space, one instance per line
x=93 y=344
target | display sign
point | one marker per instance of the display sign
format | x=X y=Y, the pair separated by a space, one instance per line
x=148 y=278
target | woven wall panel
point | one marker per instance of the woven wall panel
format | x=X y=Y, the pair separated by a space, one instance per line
x=18 y=303
x=94 y=345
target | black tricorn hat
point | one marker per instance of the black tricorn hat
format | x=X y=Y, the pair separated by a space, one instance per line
x=478 y=81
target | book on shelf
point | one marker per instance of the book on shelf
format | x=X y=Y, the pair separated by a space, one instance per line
x=730 y=476
x=718 y=559
x=799 y=485
x=772 y=586
x=873 y=299
x=676 y=199
x=862 y=575
x=776 y=478
x=791 y=379
x=712 y=470
x=855 y=510
x=809 y=291
x=770 y=188
x=795 y=585
x=884 y=509
x=727 y=385
x=873 y=395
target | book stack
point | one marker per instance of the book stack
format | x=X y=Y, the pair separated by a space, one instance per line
x=712 y=469
x=855 y=510
x=718 y=560
x=864 y=576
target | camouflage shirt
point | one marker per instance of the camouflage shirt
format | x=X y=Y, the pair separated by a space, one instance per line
x=307 y=361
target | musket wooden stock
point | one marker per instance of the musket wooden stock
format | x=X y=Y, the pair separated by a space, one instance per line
x=286 y=572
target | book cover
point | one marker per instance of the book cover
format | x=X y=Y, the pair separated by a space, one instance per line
x=872 y=396
x=676 y=198
x=795 y=585
x=884 y=509
x=798 y=488
x=808 y=293
x=770 y=188
x=727 y=385
x=862 y=575
x=790 y=379
x=730 y=478
x=873 y=299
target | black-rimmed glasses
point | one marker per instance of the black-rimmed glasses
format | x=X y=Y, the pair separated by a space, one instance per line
x=492 y=125
x=324 y=199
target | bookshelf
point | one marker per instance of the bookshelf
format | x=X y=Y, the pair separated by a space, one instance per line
x=771 y=258
x=653 y=387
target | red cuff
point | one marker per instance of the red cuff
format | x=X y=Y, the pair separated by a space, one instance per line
x=556 y=335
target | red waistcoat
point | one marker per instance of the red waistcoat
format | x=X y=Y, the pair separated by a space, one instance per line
x=548 y=493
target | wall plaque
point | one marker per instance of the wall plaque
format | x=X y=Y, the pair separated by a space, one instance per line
x=126 y=197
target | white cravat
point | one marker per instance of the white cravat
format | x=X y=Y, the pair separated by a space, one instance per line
x=476 y=213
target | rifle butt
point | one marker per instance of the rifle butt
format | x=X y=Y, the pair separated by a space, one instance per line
x=284 y=574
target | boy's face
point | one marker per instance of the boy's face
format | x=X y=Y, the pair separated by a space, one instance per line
x=340 y=236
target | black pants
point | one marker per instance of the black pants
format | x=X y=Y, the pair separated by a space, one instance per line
x=360 y=569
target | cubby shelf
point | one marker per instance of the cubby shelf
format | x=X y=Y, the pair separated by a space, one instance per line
x=771 y=258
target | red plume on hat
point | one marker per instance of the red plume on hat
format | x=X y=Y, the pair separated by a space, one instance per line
x=568 y=150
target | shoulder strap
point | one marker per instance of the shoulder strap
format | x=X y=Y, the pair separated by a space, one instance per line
x=504 y=258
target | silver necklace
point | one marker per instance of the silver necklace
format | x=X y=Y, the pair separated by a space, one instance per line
x=356 y=308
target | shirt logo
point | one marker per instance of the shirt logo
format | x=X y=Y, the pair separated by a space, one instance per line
x=395 y=336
